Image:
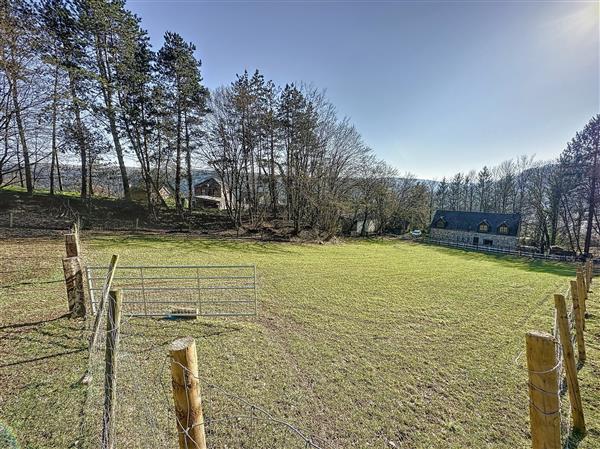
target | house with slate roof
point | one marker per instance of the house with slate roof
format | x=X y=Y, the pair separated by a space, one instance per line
x=476 y=228
x=209 y=192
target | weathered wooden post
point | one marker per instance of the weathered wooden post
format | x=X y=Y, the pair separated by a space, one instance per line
x=577 y=314
x=74 y=283
x=10 y=219
x=72 y=244
x=544 y=410
x=113 y=321
x=137 y=223
x=570 y=366
x=590 y=271
x=186 y=393
x=582 y=290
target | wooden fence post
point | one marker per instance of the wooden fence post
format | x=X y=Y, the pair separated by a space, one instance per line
x=74 y=283
x=113 y=321
x=578 y=322
x=544 y=407
x=582 y=290
x=137 y=223
x=569 y=363
x=590 y=271
x=10 y=219
x=186 y=393
x=72 y=244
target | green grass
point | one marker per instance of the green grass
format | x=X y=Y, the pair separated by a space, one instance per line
x=364 y=343
x=37 y=191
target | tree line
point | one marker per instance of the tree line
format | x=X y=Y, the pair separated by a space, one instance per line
x=558 y=200
x=79 y=81
x=79 y=78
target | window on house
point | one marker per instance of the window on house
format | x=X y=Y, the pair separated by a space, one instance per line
x=487 y=242
x=503 y=229
x=483 y=227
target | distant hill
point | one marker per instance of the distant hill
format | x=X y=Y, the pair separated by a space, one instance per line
x=106 y=178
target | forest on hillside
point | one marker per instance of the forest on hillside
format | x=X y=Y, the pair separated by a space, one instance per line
x=80 y=85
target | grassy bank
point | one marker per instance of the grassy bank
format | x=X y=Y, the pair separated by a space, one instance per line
x=365 y=344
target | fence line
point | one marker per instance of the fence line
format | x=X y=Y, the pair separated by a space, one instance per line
x=226 y=417
x=143 y=395
x=496 y=250
x=552 y=370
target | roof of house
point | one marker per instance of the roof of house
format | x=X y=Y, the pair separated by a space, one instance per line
x=470 y=221
x=207 y=177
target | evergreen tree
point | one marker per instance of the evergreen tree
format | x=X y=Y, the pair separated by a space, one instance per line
x=61 y=21
x=180 y=72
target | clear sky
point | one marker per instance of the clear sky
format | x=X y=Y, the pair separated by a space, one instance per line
x=435 y=87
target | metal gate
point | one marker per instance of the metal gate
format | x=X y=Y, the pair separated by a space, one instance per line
x=180 y=290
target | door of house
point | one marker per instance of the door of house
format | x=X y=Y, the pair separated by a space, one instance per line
x=475 y=240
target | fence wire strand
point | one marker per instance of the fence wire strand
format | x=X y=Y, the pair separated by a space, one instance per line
x=145 y=413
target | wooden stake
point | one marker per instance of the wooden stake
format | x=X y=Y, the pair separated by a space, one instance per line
x=72 y=245
x=10 y=219
x=100 y=307
x=186 y=393
x=578 y=322
x=544 y=407
x=582 y=290
x=113 y=321
x=569 y=362
x=74 y=283
x=137 y=223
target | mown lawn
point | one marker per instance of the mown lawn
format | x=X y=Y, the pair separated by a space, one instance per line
x=364 y=344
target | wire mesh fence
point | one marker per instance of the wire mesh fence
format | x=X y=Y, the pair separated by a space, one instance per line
x=145 y=415
x=566 y=394
x=564 y=400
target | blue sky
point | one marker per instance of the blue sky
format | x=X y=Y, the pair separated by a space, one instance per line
x=434 y=87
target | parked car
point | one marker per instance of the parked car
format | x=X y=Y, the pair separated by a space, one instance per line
x=416 y=233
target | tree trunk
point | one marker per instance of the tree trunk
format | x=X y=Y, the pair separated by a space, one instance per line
x=105 y=85
x=591 y=203
x=54 y=112
x=21 y=130
x=188 y=161
x=178 y=162
x=119 y=152
x=80 y=137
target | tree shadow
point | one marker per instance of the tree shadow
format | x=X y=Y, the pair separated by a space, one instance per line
x=33 y=323
x=44 y=357
x=192 y=243
x=565 y=269
x=574 y=439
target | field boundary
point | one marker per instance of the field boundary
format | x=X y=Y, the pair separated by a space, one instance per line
x=491 y=249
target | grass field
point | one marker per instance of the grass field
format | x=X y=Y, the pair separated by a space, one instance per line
x=365 y=343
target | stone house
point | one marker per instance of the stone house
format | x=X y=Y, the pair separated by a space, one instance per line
x=209 y=192
x=477 y=228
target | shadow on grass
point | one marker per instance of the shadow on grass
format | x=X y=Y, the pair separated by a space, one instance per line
x=163 y=331
x=40 y=340
x=574 y=439
x=33 y=323
x=522 y=263
x=190 y=243
x=43 y=357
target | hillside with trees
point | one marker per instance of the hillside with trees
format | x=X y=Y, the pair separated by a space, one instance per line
x=81 y=86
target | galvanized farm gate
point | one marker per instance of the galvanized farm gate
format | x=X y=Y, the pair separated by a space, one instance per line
x=180 y=290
